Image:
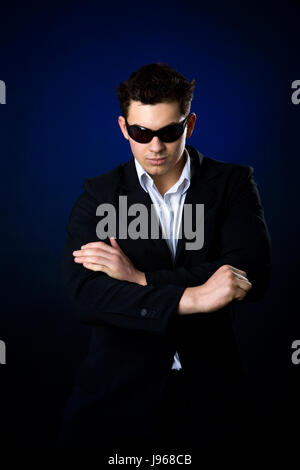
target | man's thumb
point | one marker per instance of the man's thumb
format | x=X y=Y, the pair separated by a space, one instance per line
x=113 y=241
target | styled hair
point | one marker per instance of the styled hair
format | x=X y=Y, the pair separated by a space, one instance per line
x=156 y=83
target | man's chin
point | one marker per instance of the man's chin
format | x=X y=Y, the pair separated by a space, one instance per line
x=156 y=171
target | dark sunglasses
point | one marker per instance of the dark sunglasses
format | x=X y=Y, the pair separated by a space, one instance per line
x=165 y=134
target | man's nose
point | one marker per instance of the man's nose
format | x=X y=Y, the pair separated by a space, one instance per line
x=156 y=145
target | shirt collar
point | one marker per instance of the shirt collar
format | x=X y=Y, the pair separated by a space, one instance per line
x=184 y=180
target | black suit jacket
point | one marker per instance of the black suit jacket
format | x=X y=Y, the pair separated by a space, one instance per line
x=135 y=331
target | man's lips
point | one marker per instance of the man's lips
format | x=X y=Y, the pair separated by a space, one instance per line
x=157 y=161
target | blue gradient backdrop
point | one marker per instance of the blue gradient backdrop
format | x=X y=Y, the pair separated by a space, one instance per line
x=61 y=64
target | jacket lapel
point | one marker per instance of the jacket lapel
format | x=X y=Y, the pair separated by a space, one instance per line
x=200 y=191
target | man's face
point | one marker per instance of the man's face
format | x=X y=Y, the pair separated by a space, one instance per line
x=155 y=117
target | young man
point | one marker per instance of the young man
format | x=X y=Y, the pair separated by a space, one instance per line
x=163 y=367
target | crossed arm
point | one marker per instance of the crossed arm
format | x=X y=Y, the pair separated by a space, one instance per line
x=225 y=285
x=107 y=286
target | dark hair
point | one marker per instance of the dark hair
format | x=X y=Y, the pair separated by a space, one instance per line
x=156 y=83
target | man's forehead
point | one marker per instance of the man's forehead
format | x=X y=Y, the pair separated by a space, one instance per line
x=155 y=115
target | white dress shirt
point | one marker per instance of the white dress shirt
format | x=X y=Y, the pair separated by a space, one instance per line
x=169 y=209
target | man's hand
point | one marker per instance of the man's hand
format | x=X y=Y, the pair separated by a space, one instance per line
x=224 y=286
x=98 y=256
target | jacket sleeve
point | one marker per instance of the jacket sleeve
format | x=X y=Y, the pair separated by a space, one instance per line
x=97 y=297
x=245 y=242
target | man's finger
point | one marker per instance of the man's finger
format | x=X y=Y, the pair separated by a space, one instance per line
x=240 y=295
x=94 y=267
x=234 y=270
x=103 y=245
x=114 y=243
x=239 y=271
x=93 y=259
x=244 y=284
x=240 y=276
x=91 y=252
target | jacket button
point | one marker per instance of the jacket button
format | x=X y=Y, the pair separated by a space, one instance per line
x=143 y=312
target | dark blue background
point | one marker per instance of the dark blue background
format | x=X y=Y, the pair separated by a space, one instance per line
x=61 y=64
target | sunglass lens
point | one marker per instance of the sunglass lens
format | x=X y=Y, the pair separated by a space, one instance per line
x=171 y=133
x=139 y=134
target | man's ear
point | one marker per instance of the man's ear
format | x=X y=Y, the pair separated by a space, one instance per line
x=121 y=121
x=191 y=124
